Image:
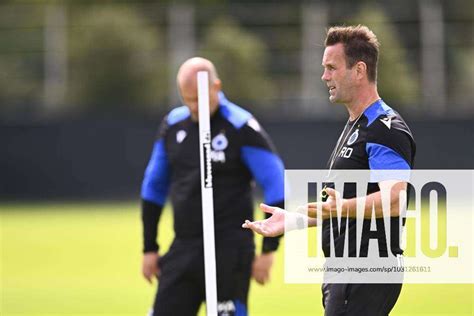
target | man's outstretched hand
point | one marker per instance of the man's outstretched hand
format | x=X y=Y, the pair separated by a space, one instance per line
x=270 y=227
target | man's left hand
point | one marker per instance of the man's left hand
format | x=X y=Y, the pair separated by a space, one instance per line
x=261 y=267
x=329 y=207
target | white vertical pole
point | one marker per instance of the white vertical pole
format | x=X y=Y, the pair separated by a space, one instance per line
x=181 y=42
x=55 y=57
x=207 y=193
x=313 y=90
x=432 y=56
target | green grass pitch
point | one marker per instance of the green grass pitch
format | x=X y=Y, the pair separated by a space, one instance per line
x=85 y=259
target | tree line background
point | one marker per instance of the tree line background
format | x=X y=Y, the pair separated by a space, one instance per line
x=116 y=58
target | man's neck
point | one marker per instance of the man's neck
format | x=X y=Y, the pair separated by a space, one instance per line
x=362 y=101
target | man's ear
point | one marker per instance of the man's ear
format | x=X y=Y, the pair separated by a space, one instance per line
x=217 y=84
x=361 y=70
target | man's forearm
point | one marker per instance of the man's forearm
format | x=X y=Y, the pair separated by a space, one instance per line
x=374 y=202
x=151 y=213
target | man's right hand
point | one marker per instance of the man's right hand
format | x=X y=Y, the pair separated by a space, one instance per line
x=270 y=227
x=150 y=267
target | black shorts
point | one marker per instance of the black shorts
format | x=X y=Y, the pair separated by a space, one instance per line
x=181 y=288
x=359 y=299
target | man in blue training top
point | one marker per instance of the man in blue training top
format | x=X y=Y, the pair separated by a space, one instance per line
x=375 y=138
x=241 y=152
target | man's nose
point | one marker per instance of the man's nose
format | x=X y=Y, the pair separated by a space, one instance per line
x=325 y=76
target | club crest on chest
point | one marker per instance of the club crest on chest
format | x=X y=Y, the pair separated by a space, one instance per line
x=352 y=139
x=219 y=143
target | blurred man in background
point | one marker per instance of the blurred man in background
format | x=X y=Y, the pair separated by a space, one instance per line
x=241 y=152
x=375 y=137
